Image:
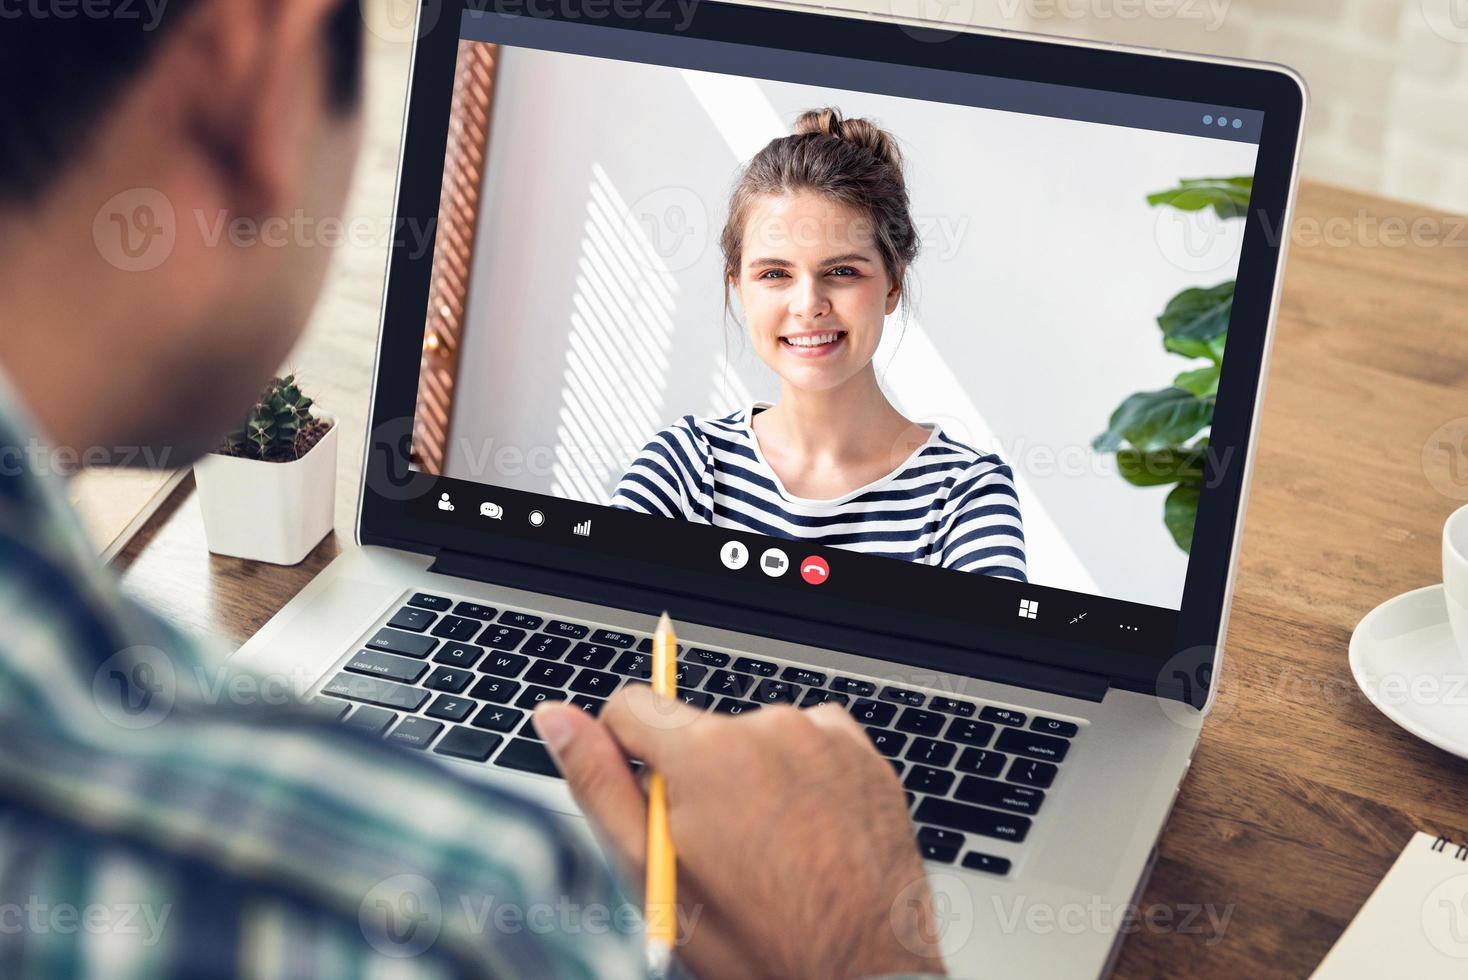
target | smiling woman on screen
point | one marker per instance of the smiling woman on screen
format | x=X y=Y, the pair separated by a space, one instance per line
x=817 y=246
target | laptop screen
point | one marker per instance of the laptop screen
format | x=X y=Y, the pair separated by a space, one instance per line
x=926 y=340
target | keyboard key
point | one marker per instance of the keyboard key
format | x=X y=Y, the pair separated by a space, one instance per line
x=595 y=682
x=734 y=706
x=504 y=664
x=749 y=665
x=689 y=675
x=591 y=655
x=983 y=762
x=468 y=743
x=816 y=696
x=571 y=631
x=501 y=637
x=590 y=705
x=330 y=708
x=435 y=602
x=888 y=743
x=697 y=698
x=861 y=689
x=931 y=753
x=408 y=644
x=920 y=722
x=548 y=673
x=1053 y=726
x=497 y=718
x=770 y=691
x=375 y=690
x=414 y=620
x=898 y=766
x=613 y=638
x=939 y=845
x=524 y=621
x=451 y=680
x=872 y=712
x=1032 y=744
x=632 y=664
x=951 y=707
x=644 y=645
x=728 y=684
x=450 y=708
x=527 y=756
x=475 y=611
x=456 y=628
x=548 y=647
x=709 y=658
x=1002 y=716
x=902 y=696
x=373 y=721
x=967 y=732
x=535 y=694
x=925 y=779
x=806 y=678
x=460 y=655
x=1032 y=773
x=975 y=861
x=386 y=665
x=971 y=819
x=494 y=689
x=415 y=733
x=1001 y=796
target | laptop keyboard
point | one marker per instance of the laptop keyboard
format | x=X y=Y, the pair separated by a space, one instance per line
x=461 y=679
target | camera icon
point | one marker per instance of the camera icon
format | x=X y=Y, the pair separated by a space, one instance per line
x=774 y=562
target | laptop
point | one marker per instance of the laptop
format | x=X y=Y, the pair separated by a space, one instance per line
x=569 y=429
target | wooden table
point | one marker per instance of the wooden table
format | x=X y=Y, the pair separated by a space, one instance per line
x=1302 y=794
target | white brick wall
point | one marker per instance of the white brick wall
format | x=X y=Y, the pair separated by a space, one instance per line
x=1388 y=78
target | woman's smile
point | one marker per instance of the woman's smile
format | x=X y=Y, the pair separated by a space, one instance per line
x=812 y=343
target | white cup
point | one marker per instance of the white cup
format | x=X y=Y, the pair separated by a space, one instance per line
x=1455 y=575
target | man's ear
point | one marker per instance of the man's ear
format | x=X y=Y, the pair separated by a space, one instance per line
x=258 y=70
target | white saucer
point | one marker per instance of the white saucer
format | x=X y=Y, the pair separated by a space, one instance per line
x=1405 y=661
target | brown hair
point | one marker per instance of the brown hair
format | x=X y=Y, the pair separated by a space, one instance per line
x=852 y=161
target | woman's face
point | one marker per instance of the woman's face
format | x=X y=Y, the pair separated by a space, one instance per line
x=814 y=289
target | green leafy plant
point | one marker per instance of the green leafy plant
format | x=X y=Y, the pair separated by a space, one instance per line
x=1150 y=431
x=280 y=427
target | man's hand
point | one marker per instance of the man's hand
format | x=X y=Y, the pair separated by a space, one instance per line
x=795 y=852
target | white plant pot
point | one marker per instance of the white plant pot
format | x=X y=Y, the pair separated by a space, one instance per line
x=271 y=512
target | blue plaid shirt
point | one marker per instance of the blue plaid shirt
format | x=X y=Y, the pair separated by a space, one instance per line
x=146 y=830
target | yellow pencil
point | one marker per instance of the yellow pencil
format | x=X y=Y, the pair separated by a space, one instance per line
x=661 y=911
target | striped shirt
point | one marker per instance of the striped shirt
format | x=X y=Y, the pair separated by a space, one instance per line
x=946 y=505
x=158 y=819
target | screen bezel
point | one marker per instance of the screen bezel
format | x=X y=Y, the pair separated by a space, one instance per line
x=1185 y=671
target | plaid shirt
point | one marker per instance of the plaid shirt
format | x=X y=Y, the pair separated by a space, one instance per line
x=149 y=830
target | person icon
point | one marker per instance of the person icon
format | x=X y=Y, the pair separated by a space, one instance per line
x=444 y=503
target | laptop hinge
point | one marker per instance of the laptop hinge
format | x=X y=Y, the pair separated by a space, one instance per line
x=745 y=619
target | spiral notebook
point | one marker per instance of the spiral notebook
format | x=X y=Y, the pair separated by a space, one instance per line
x=1415 y=925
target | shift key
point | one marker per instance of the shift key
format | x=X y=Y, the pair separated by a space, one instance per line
x=375 y=690
x=971 y=819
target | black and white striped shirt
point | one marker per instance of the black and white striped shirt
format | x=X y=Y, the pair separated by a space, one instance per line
x=947 y=505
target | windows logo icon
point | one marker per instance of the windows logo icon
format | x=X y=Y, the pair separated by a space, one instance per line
x=1029 y=608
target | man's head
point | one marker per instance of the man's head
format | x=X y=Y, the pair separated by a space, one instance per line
x=164 y=172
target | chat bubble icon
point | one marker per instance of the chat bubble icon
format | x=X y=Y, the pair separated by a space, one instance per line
x=493 y=511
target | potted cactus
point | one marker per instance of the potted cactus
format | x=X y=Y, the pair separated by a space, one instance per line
x=269 y=492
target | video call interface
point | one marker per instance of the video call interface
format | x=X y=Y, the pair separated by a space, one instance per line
x=790 y=313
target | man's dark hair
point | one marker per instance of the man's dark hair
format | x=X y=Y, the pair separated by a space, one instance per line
x=58 y=75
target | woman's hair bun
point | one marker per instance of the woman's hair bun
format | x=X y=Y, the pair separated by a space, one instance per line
x=858 y=132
